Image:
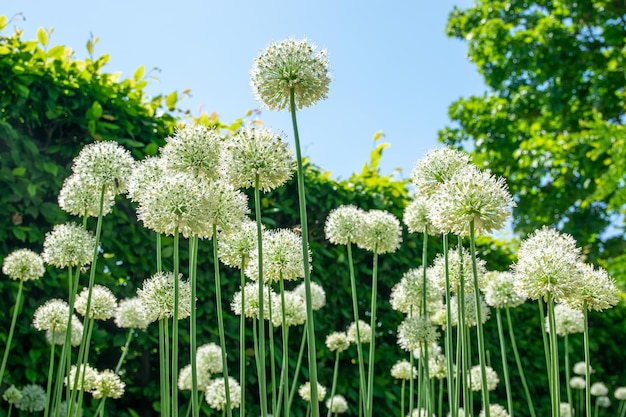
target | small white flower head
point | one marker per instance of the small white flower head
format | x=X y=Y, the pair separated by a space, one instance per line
x=363 y=330
x=184 y=379
x=501 y=291
x=598 y=389
x=475 y=380
x=416 y=217
x=131 y=314
x=238 y=245
x=157 y=295
x=458 y=266
x=403 y=370
x=620 y=393
x=337 y=404
x=102 y=305
x=433 y=349
x=104 y=164
x=437 y=366
x=407 y=296
x=461 y=412
x=577 y=382
x=496 y=410
x=215 y=393
x=12 y=395
x=470 y=196
x=226 y=207
x=145 y=176
x=566 y=410
x=258 y=151
x=470 y=310
x=437 y=167
x=282 y=257
x=603 y=401
x=194 y=149
x=305 y=392
x=345 y=225
x=108 y=385
x=251 y=301
x=23 y=265
x=209 y=358
x=580 y=368
x=415 y=331
x=420 y=412
x=596 y=290
x=79 y=198
x=59 y=336
x=68 y=245
x=52 y=315
x=318 y=295
x=382 y=232
x=32 y=400
x=76 y=378
x=548 y=262
x=567 y=320
x=290 y=65
x=295 y=310
x=337 y=341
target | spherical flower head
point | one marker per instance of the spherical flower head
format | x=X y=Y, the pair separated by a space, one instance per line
x=209 y=358
x=620 y=393
x=496 y=410
x=52 y=315
x=337 y=404
x=295 y=310
x=437 y=366
x=68 y=245
x=108 y=385
x=598 y=389
x=194 y=149
x=475 y=380
x=337 y=341
x=603 y=401
x=76 y=378
x=258 y=151
x=58 y=337
x=407 y=295
x=382 y=232
x=501 y=291
x=318 y=295
x=250 y=305
x=567 y=320
x=416 y=217
x=420 y=412
x=363 y=331
x=305 y=392
x=458 y=266
x=290 y=65
x=437 y=167
x=185 y=383
x=157 y=295
x=596 y=290
x=344 y=225
x=566 y=410
x=145 y=176
x=580 y=368
x=433 y=350
x=471 y=196
x=23 y=265
x=104 y=164
x=79 y=198
x=131 y=314
x=282 y=257
x=577 y=382
x=548 y=262
x=237 y=245
x=102 y=305
x=33 y=399
x=225 y=206
x=415 y=331
x=470 y=310
x=12 y=395
x=403 y=370
x=215 y=394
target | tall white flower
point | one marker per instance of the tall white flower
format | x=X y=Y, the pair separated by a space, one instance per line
x=437 y=167
x=104 y=164
x=194 y=149
x=382 y=232
x=157 y=295
x=23 y=265
x=68 y=245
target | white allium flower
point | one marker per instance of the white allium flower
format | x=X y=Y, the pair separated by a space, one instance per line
x=184 y=379
x=567 y=320
x=282 y=257
x=364 y=332
x=433 y=350
x=566 y=410
x=603 y=401
x=258 y=151
x=461 y=412
x=596 y=290
x=59 y=336
x=109 y=385
x=104 y=164
x=68 y=245
x=12 y=395
x=337 y=341
x=337 y=404
x=620 y=393
x=76 y=378
x=225 y=207
x=238 y=245
x=415 y=331
x=131 y=314
x=52 y=315
x=305 y=391
x=209 y=358
x=23 y=265
x=437 y=167
x=157 y=295
x=102 y=306
x=598 y=389
x=251 y=301
x=501 y=292
x=475 y=378
x=382 y=232
x=470 y=310
x=344 y=225
x=80 y=198
x=403 y=370
x=215 y=394
x=577 y=382
x=458 y=266
x=290 y=65
x=144 y=178
x=496 y=410
x=318 y=295
x=407 y=296
x=295 y=310
x=580 y=368
x=194 y=149
x=437 y=366
x=32 y=399
x=416 y=217
x=419 y=412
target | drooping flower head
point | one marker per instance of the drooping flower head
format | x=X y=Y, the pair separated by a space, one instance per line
x=435 y=168
x=476 y=375
x=290 y=65
x=382 y=232
x=407 y=296
x=344 y=225
x=157 y=295
x=416 y=331
x=102 y=305
x=318 y=295
x=131 y=314
x=23 y=265
x=337 y=341
x=238 y=245
x=501 y=292
x=194 y=149
x=104 y=164
x=80 y=198
x=282 y=257
x=215 y=393
x=567 y=320
x=295 y=310
x=403 y=370
x=68 y=245
x=305 y=391
x=251 y=301
x=364 y=332
x=596 y=290
x=32 y=399
x=108 y=385
x=416 y=217
x=337 y=404
x=258 y=151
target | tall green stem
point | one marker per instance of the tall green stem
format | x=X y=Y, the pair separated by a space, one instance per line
x=292 y=391
x=7 y=348
x=334 y=386
x=453 y=403
x=372 y=358
x=272 y=359
x=174 y=370
x=193 y=262
x=568 y=389
x=50 y=371
x=359 y=347
x=462 y=331
x=261 y=339
x=554 y=360
x=505 y=368
x=284 y=380
x=242 y=340
x=520 y=368
x=305 y=258
x=587 y=360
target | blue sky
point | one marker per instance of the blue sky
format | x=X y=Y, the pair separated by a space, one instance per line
x=394 y=69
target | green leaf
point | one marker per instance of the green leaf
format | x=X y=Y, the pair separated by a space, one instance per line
x=139 y=73
x=56 y=52
x=90 y=47
x=3 y=22
x=171 y=99
x=95 y=111
x=19 y=171
x=19 y=234
x=32 y=189
x=42 y=36
x=151 y=149
x=51 y=168
x=31 y=374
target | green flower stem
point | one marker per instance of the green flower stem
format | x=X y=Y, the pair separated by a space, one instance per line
x=587 y=360
x=129 y=337
x=334 y=386
x=272 y=359
x=621 y=411
x=568 y=389
x=284 y=381
x=411 y=382
x=372 y=354
x=174 y=370
x=305 y=257
x=462 y=332
x=424 y=312
x=292 y=391
x=520 y=368
x=193 y=263
x=440 y=401
x=7 y=348
x=242 y=340
x=46 y=412
x=453 y=403
x=261 y=355
x=420 y=364
x=163 y=361
x=168 y=399
x=554 y=360
x=220 y=320
x=359 y=348
x=401 y=396
x=544 y=335
x=505 y=369
x=10 y=409
x=596 y=410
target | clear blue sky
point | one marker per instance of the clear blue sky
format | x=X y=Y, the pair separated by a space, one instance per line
x=394 y=69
